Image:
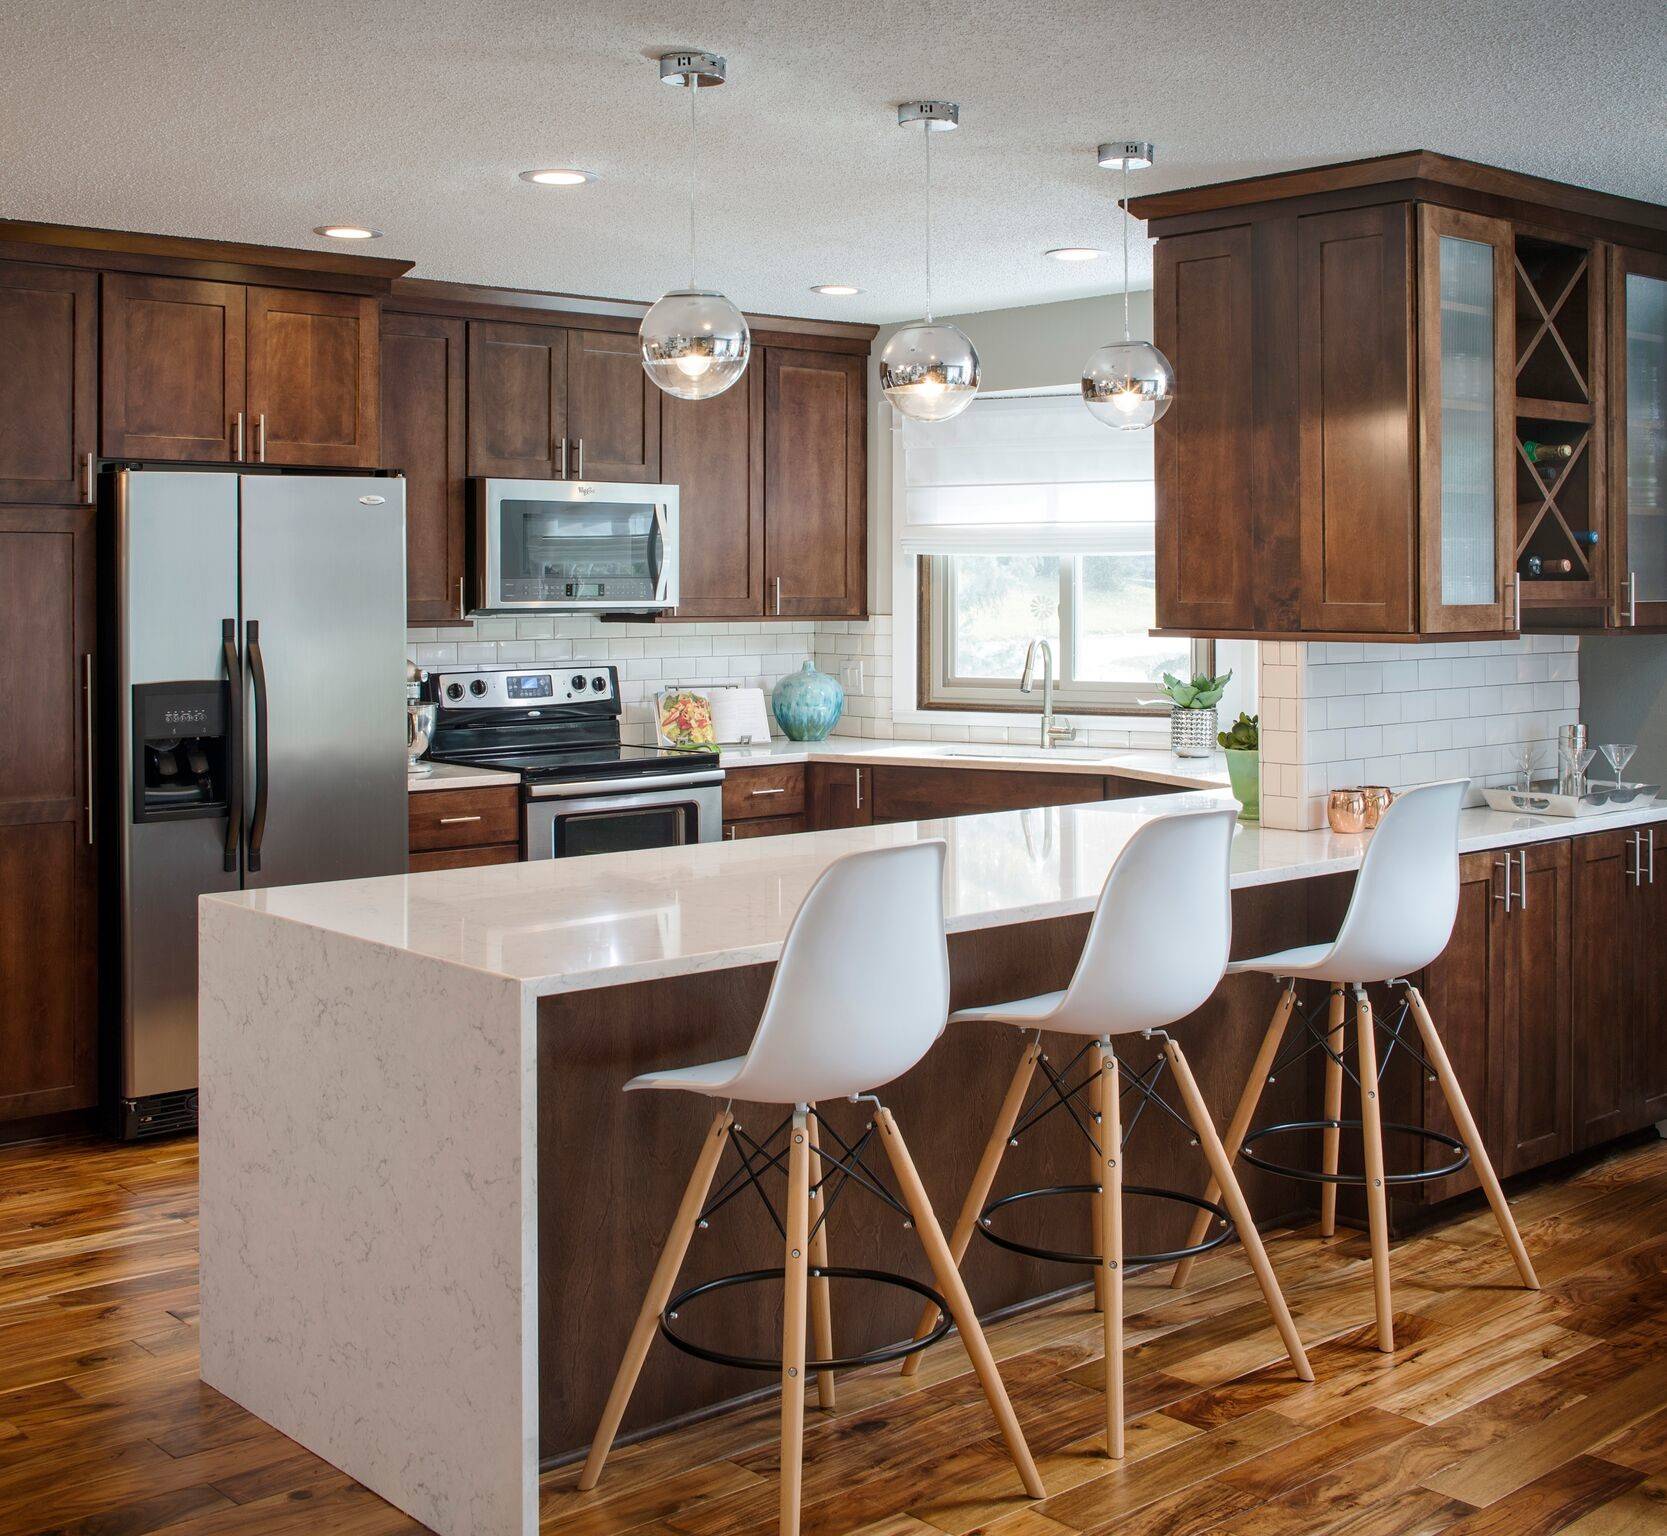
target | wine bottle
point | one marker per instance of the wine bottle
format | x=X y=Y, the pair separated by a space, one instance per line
x=1547 y=453
x=1543 y=568
x=1587 y=537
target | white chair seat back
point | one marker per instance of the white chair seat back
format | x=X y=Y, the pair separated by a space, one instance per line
x=1406 y=896
x=862 y=987
x=1162 y=927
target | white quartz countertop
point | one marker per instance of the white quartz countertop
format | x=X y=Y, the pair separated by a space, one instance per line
x=458 y=776
x=559 y=925
x=1156 y=767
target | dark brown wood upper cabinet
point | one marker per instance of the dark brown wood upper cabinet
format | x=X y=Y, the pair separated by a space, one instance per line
x=48 y=382
x=613 y=408
x=1355 y=418
x=1206 y=539
x=48 y=942
x=174 y=379
x=815 y=469
x=313 y=394
x=712 y=450
x=423 y=367
x=1637 y=435
x=517 y=400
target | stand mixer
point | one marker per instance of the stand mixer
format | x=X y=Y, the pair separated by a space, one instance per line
x=419 y=720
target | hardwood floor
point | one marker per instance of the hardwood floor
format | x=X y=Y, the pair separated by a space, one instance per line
x=1502 y=1413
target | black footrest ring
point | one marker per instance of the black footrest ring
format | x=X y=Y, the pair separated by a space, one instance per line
x=845 y=1362
x=1315 y=1176
x=1057 y=1256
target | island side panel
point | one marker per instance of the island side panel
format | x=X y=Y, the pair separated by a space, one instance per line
x=614 y=1165
x=367 y=1187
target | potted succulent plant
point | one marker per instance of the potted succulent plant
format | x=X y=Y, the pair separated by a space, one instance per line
x=1242 y=743
x=1192 y=719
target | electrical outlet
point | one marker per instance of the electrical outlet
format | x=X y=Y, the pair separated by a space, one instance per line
x=851 y=678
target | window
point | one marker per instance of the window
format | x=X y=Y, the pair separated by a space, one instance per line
x=1029 y=518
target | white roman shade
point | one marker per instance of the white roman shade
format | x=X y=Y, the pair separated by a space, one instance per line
x=1029 y=473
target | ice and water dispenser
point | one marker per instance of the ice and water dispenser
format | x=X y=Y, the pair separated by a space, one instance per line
x=179 y=737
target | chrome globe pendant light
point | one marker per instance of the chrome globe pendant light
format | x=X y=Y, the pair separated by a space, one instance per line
x=929 y=371
x=1127 y=384
x=695 y=343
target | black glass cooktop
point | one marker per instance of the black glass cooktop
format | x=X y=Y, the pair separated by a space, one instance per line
x=538 y=765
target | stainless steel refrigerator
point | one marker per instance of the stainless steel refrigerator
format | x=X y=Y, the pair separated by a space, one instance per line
x=257 y=698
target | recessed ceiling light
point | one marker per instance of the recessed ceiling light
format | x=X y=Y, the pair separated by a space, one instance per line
x=347 y=232
x=561 y=177
x=1075 y=253
x=835 y=290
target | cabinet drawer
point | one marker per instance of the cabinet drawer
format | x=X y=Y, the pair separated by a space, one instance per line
x=765 y=791
x=763 y=826
x=464 y=818
x=464 y=858
x=914 y=794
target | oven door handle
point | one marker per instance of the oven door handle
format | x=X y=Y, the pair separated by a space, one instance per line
x=623 y=787
x=663 y=582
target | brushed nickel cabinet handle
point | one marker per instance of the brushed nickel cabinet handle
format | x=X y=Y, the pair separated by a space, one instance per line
x=757 y=792
x=579 y=458
x=1506 y=864
x=563 y=474
x=87 y=705
x=778 y=597
x=1522 y=880
x=1632 y=597
x=452 y=821
x=462 y=607
x=729 y=832
x=237 y=437
x=260 y=440
x=859 y=789
x=92 y=484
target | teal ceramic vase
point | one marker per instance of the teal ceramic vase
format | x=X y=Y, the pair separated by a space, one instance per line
x=808 y=703
x=1244 y=771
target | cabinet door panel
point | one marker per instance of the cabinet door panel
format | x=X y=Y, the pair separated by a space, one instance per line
x=313 y=378
x=517 y=399
x=914 y=794
x=1637 y=421
x=1647 y=1013
x=712 y=450
x=173 y=374
x=48 y=940
x=613 y=408
x=48 y=382
x=815 y=496
x=422 y=434
x=1206 y=445
x=1355 y=420
x=1534 y=1043
x=838 y=795
x=1604 y=957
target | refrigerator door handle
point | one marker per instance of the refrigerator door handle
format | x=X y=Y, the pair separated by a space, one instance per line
x=257 y=672
x=234 y=742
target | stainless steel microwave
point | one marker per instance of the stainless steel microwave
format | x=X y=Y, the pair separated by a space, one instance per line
x=573 y=546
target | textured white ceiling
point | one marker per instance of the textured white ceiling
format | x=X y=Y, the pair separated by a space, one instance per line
x=256 y=121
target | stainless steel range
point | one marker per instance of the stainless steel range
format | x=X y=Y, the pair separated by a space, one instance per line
x=582 y=790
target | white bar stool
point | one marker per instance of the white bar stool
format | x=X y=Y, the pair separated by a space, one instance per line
x=1399 y=919
x=838 y=1023
x=1169 y=881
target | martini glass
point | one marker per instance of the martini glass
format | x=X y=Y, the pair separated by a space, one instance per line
x=1524 y=758
x=1575 y=765
x=1619 y=754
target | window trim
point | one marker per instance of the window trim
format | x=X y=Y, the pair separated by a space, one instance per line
x=937 y=693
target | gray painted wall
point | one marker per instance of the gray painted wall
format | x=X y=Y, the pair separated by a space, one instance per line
x=1623 y=697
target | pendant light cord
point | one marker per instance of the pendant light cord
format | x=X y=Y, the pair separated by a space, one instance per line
x=926 y=134
x=1125 y=243
x=694 y=88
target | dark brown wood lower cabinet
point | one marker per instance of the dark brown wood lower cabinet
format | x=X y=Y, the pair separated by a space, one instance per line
x=1603 y=959
x=839 y=795
x=48 y=869
x=763 y=826
x=463 y=858
x=1648 y=1053
x=914 y=794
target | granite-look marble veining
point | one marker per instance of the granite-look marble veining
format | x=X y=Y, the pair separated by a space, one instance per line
x=369 y=1232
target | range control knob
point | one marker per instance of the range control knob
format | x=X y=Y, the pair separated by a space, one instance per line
x=578 y=682
x=600 y=684
x=454 y=690
x=478 y=687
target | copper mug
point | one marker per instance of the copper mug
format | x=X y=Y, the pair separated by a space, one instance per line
x=1346 y=810
x=1379 y=797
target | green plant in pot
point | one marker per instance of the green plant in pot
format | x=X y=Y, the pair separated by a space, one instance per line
x=1192 y=721
x=1242 y=742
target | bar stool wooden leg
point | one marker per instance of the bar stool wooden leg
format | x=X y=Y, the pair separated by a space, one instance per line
x=1466 y=1123
x=1330 y=1138
x=1240 y=1123
x=821 y=1303
x=954 y=1291
x=1233 y=1197
x=659 y=1293
x=1110 y=1179
x=1377 y=1195
x=982 y=1180
x=1097 y=1054
x=793 y=1324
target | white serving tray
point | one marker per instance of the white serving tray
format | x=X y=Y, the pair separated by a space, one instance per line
x=1601 y=798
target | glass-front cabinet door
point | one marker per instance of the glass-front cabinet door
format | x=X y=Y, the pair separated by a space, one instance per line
x=1466 y=364
x=1638 y=435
